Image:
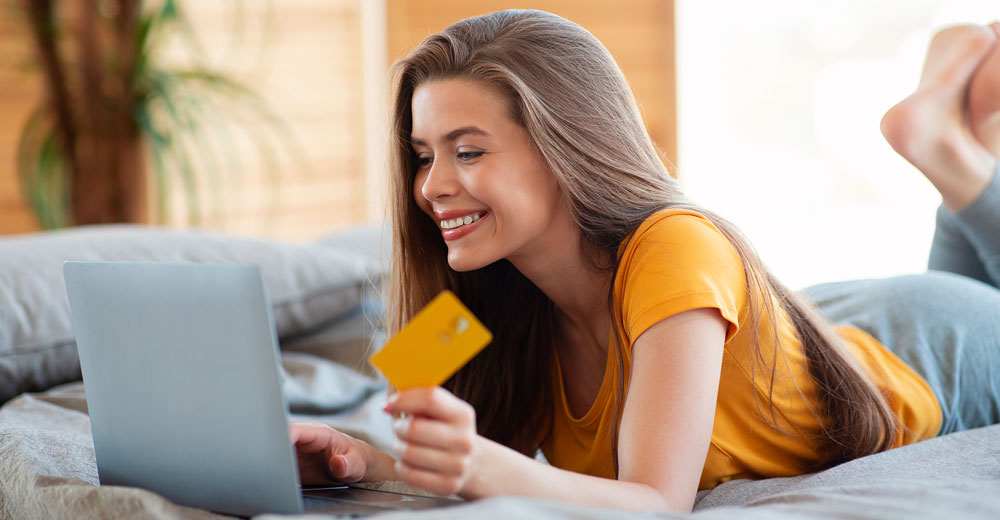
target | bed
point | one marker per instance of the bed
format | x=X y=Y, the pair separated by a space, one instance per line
x=327 y=310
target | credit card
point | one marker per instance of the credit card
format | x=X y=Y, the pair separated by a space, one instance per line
x=437 y=342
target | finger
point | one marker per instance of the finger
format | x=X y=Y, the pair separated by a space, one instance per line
x=434 y=402
x=432 y=433
x=442 y=485
x=296 y=431
x=345 y=468
x=338 y=465
x=430 y=459
x=309 y=434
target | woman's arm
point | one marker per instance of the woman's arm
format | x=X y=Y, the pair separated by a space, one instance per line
x=503 y=471
x=664 y=435
x=669 y=411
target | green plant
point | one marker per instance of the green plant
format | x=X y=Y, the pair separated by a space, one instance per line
x=116 y=102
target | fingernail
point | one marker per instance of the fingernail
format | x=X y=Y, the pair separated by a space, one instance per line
x=401 y=426
x=398 y=447
x=389 y=402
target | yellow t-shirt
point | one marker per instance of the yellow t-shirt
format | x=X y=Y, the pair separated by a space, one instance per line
x=677 y=261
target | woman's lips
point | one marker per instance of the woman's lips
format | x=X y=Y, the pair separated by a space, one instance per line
x=461 y=231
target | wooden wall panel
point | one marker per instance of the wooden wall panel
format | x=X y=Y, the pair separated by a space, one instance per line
x=310 y=67
x=638 y=33
x=20 y=91
x=304 y=58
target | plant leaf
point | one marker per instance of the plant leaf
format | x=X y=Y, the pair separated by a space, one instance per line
x=157 y=145
x=177 y=151
x=51 y=169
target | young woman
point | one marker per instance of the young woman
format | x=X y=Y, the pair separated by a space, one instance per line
x=640 y=342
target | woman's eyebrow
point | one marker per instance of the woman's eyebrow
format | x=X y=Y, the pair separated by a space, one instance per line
x=454 y=134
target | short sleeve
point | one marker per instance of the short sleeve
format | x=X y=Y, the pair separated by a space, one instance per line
x=678 y=261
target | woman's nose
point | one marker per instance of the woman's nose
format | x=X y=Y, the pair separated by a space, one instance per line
x=441 y=181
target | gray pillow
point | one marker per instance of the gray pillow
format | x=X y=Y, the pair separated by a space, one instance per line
x=351 y=340
x=310 y=286
x=373 y=241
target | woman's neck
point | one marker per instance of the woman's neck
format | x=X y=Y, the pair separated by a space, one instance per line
x=578 y=289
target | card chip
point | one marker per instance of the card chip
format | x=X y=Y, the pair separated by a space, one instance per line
x=461 y=325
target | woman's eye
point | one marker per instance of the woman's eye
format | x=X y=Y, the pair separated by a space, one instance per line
x=468 y=156
x=423 y=162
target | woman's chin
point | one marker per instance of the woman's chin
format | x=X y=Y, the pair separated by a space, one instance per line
x=463 y=263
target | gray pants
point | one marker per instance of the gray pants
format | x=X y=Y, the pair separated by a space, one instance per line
x=945 y=323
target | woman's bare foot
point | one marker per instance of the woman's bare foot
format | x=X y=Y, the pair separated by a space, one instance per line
x=929 y=128
x=984 y=99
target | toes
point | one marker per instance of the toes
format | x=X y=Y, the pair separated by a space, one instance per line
x=954 y=54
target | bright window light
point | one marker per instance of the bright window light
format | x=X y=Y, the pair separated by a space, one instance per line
x=778 y=128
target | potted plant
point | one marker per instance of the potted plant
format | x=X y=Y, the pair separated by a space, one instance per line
x=113 y=105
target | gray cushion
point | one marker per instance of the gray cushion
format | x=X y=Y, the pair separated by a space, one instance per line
x=373 y=241
x=351 y=340
x=310 y=286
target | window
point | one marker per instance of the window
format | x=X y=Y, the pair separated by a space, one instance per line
x=779 y=103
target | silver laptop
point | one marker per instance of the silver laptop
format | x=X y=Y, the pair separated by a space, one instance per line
x=180 y=365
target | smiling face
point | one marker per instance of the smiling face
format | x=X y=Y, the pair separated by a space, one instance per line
x=479 y=176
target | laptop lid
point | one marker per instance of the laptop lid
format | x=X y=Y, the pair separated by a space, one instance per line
x=180 y=366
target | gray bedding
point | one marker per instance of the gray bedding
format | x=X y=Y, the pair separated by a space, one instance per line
x=47 y=467
x=328 y=310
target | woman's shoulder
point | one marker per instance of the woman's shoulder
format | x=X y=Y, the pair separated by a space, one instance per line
x=676 y=232
x=678 y=260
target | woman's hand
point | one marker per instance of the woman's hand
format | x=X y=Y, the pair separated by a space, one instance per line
x=436 y=432
x=327 y=456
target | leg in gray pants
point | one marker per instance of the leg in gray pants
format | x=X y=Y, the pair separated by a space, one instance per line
x=968 y=242
x=945 y=324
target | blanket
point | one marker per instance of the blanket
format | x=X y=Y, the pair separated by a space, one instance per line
x=48 y=470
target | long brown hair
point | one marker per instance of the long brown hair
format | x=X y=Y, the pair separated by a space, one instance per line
x=567 y=91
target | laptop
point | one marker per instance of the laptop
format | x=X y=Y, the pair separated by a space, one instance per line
x=180 y=366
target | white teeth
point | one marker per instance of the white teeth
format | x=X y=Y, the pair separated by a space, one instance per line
x=461 y=221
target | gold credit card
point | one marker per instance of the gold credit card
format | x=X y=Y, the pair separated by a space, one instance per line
x=437 y=342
